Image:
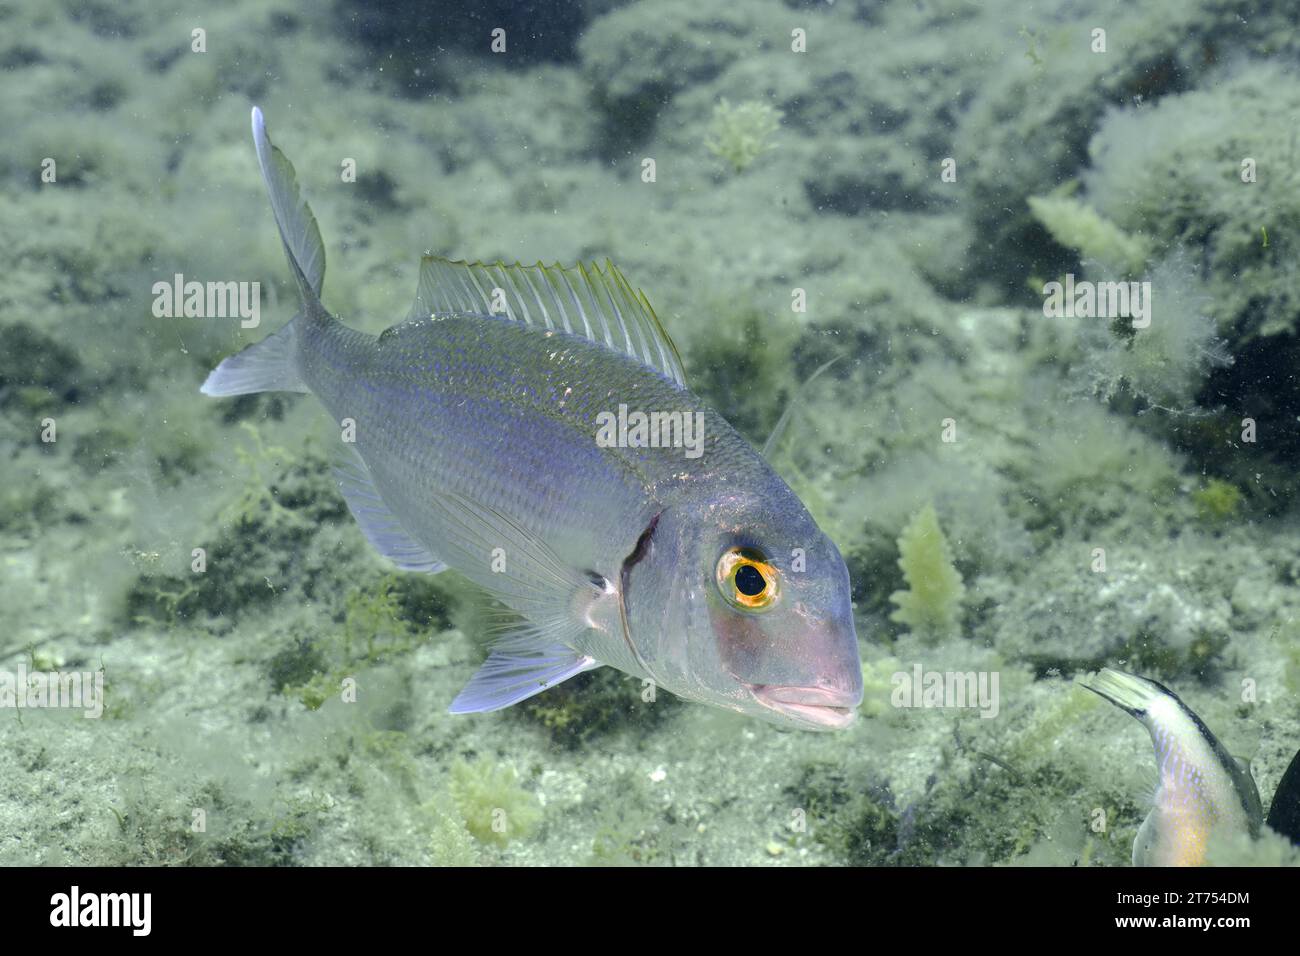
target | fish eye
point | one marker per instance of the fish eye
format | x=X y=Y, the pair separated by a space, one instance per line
x=747 y=579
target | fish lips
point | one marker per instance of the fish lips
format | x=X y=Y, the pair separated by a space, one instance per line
x=811 y=708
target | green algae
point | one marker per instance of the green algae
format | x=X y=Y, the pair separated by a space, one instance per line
x=1080 y=227
x=1217 y=501
x=741 y=133
x=495 y=808
x=383 y=619
x=931 y=605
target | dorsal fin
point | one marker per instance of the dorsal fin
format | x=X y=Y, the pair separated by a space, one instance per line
x=589 y=300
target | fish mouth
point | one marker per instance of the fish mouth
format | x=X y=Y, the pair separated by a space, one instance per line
x=815 y=708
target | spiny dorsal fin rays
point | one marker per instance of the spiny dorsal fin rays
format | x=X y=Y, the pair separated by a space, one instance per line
x=298 y=230
x=594 y=302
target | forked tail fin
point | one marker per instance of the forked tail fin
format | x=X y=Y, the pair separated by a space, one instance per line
x=270 y=366
x=297 y=224
x=265 y=366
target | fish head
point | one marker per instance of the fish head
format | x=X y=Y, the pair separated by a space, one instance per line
x=741 y=601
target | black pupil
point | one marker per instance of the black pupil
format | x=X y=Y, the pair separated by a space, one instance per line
x=749 y=580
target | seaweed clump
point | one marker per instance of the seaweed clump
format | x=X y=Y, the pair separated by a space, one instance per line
x=931 y=605
x=269 y=544
x=1217 y=501
x=1078 y=226
x=382 y=620
x=1205 y=170
x=638 y=58
x=858 y=825
x=744 y=353
x=37 y=373
x=596 y=704
x=496 y=809
x=740 y=134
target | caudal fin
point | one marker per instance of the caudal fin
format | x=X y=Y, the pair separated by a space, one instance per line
x=1127 y=691
x=297 y=224
x=266 y=366
x=270 y=365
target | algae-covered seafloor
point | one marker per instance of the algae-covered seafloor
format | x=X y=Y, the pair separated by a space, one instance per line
x=895 y=183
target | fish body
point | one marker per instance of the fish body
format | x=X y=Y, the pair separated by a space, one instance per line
x=478 y=427
x=1201 y=787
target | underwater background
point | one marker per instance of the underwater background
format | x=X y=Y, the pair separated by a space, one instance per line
x=893 y=182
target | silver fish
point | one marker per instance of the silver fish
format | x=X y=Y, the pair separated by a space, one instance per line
x=1201 y=789
x=528 y=426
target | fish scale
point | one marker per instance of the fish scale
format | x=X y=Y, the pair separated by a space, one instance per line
x=469 y=437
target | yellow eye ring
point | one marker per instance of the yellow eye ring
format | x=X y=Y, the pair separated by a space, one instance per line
x=747 y=580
